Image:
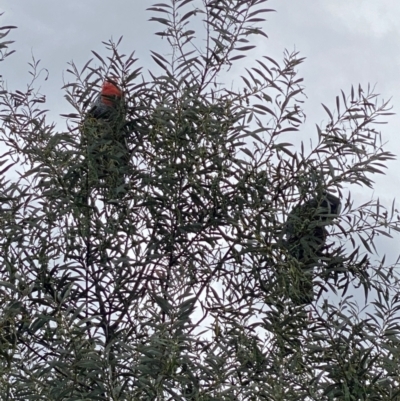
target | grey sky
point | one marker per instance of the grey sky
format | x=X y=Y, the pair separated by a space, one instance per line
x=345 y=41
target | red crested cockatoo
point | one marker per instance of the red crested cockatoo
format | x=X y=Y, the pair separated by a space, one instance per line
x=306 y=235
x=108 y=102
x=104 y=134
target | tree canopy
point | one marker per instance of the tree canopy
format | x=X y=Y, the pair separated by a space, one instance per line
x=183 y=282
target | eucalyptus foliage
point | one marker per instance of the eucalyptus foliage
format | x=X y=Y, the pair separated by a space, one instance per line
x=184 y=288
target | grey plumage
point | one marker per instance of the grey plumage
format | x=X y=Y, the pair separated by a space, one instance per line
x=104 y=136
x=306 y=236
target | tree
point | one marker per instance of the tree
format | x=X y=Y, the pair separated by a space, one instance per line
x=186 y=285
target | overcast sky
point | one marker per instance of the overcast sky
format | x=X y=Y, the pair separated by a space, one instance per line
x=345 y=42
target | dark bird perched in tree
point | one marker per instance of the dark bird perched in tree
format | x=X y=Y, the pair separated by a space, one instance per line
x=104 y=135
x=306 y=236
